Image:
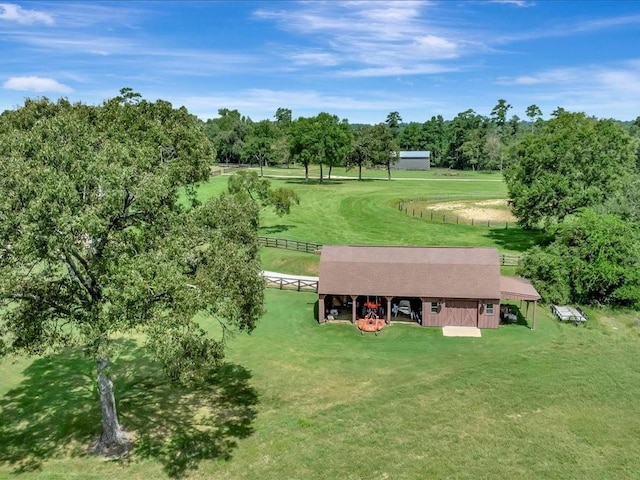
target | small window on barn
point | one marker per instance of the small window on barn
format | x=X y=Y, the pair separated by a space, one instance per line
x=434 y=307
x=489 y=309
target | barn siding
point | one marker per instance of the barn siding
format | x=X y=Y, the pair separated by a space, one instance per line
x=431 y=319
x=489 y=321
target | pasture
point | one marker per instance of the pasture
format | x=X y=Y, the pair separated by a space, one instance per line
x=301 y=400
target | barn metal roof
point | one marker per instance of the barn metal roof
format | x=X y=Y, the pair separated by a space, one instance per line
x=435 y=272
x=423 y=154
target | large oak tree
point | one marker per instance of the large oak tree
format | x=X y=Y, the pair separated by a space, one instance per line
x=570 y=162
x=101 y=235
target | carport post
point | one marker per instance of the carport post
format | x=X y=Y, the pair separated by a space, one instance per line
x=388 y=319
x=354 y=308
x=321 y=317
x=533 y=324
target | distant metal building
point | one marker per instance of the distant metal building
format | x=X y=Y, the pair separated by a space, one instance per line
x=413 y=160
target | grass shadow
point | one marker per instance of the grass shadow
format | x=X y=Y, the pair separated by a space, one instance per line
x=516 y=239
x=273 y=229
x=521 y=320
x=312 y=181
x=55 y=413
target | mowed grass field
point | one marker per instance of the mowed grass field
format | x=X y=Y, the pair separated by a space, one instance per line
x=299 y=400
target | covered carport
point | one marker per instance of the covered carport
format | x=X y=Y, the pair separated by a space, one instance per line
x=435 y=286
x=518 y=288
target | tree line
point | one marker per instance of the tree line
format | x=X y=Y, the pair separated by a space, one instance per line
x=469 y=141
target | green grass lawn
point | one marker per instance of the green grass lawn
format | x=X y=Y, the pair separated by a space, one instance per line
x=299 y=400
x=302 y=400
x=353 y=212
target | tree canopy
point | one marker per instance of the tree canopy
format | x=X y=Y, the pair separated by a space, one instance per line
x=571 y=162
x=322 y=140
x=593 y=259
x=94 y=243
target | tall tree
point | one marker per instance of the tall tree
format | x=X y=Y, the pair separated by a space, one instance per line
x=466 y=126
x=385 y=149
x=499 y=112
x=533 y=113
x=283 y=116
x=245 y=183
x=259 y=143
x=95 y=244
x=281 y=145
x=412 y=137
x=323 y=140
x=305 y=142
x=228 y=133
x=394 y=119
x=571 y=162
x=499 y=118
x=493 y=150
x=371 y=145
x=437 y=137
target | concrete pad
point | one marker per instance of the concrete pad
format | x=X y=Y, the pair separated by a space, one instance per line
x=461 y=331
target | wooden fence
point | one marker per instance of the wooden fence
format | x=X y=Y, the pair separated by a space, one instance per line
x=506 y=259
x=407 y=207
x=289 y=244
x=291 y=283
x=509 y=259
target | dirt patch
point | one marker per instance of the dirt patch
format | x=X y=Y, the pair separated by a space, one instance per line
x=495 y=210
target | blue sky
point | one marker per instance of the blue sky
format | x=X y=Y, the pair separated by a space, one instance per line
x=358 y=60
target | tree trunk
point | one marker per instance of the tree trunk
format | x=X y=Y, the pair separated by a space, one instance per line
x=261 y=174
x=113 y=440
x=360 y=172
x=321 y=172
x=330 y=167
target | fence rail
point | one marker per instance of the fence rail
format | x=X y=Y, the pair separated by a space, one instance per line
x=509 y=259
x=289 y=244
x=290 y=283
x=407 y=207
x=506 y=259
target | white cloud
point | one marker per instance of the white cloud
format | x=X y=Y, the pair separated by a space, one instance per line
x=517 y=3
x=15 y=13
x=36 y=84
x=560 y=76
x=372 y=38
x=263 y=103
x=600 y=90
x=315 y=58
x=396 y=70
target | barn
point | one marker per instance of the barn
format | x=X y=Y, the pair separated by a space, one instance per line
x=433 y=286
x=413 y=160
